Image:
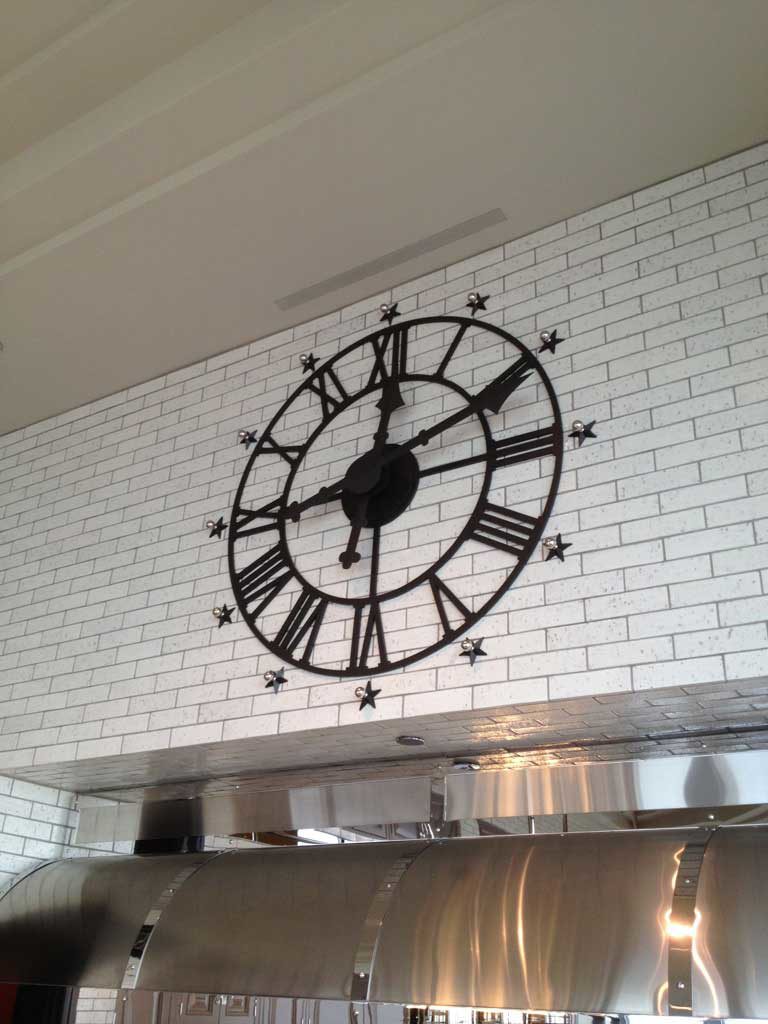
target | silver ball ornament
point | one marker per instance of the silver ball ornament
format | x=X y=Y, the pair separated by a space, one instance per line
x=210 y=524
x=384 y=308
x=545 y=336
x=467 y=645
x=550 y=542
x=577 y=426
x=217 y=613
x=473 y=297
x=270 y=676
x=242 y=433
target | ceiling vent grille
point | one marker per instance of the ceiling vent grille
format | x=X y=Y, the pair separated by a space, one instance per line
x=393 y=259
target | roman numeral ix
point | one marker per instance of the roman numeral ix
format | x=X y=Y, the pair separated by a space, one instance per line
x=243 y=517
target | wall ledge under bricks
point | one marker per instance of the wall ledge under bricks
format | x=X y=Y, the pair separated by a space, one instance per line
x=107 y=578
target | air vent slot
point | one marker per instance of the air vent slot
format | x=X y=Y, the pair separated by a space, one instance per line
x=393 y=259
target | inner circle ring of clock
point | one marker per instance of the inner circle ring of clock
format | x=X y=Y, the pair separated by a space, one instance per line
x=377 y=487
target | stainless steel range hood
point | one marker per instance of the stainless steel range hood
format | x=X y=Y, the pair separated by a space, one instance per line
x=648 y=922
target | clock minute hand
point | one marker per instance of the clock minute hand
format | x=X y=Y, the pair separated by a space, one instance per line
x=492 y=397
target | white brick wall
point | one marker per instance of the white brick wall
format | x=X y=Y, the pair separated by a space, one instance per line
x=107 y=577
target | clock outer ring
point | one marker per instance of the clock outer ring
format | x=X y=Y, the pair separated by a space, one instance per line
x=447 y=638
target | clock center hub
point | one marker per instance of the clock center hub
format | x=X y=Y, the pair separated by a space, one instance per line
x=390 y=488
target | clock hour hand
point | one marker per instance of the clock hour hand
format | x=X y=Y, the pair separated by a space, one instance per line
x=350 y=554
x=324 y=495
x=390 y=400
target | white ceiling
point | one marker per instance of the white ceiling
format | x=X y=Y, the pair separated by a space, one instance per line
x=171 y=168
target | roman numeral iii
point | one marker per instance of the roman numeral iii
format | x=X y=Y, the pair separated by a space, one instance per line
x=504 y=529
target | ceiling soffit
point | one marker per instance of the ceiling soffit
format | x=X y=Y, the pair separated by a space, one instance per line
x=254 y=149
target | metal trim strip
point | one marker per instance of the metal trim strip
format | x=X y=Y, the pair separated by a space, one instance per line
x=5 y=889
x=377 y=911
x=681 y=926
x=144 y=936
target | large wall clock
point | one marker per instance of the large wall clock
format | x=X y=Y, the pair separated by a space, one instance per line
x=380 y=514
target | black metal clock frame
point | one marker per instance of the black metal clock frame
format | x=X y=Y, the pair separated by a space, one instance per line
x=265 y=578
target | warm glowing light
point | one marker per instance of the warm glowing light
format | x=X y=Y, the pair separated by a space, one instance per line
x=679 y=929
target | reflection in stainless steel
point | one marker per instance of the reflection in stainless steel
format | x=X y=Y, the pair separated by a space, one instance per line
x=375 y=802
x=577 y=922
x=708 y=780
x=554 y=922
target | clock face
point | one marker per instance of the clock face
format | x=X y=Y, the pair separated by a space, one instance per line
x=395 y=496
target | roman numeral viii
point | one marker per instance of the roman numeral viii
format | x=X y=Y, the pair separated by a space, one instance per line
x=262 y=580
x=504 y=529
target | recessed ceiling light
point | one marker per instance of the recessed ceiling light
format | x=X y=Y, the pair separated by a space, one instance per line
x=467 y=766
x=411 y=741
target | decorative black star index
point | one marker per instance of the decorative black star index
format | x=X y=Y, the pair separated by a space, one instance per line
x=583 y=432
x=218 y=527
x=388 y=312
x=369 y=696
x=248 y=437
x=550 y=341
x=476 y=301
x=275 y=679
x=558 y=551
x=225 y=616
x=474 y=652
x=307 y=363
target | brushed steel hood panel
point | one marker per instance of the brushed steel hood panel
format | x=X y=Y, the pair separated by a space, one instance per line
x=574 y=922
x=73 y=922
x=553 y=922
x=276 y=922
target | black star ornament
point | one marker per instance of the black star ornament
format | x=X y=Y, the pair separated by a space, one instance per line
x=581 y=431
x=558 y=549
x=275 y=679
x=472 y=649
x=225 y=616
x=217 y=529
x=368 y=696
x=307 y=363
x=476 y=301
x=550 y=341
x=388 y=312
x=247 y=437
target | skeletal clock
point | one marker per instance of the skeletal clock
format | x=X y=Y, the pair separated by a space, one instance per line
x=395 y=495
